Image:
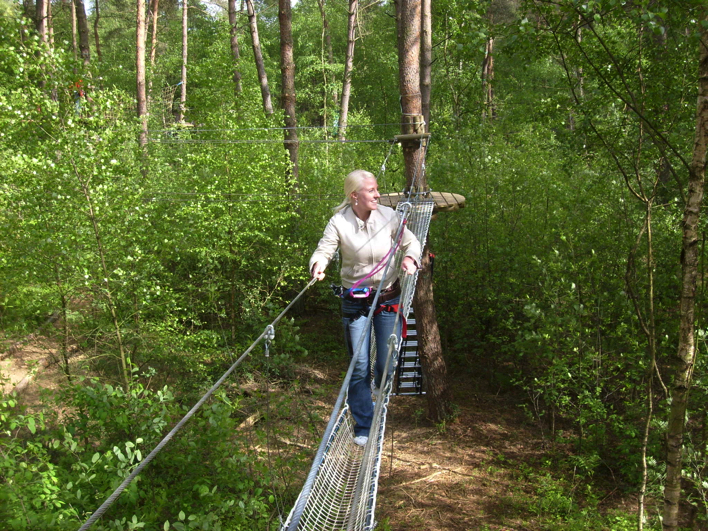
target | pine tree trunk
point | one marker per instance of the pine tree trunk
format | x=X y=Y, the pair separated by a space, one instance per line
x=235 y=54
x=426 y=61
x=95 y=32
x=74 y=43
x=152 y=19
x=287 y=70
x=185 y=42
x=140 y=35
x=487 y=78
x=42 y=7
x=328 y=45
x=50 y=25
x=82 y=23
x=153 y=41
x=258 y=56
x=348 y=66
x=439 y=396
x=689 y=273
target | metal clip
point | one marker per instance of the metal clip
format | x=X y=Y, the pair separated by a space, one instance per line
x=269 y=336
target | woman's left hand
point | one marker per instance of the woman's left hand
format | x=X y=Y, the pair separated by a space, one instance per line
x=409 y=266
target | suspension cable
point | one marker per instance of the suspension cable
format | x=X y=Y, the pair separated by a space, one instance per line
x=112 y=498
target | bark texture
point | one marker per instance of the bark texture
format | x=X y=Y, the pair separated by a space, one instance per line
x=183 y=79
x=426 y=61
x=235 y=54
x=348 y=67
x=258 y=56
x=153 y=40
x=84 y=34
x=438 y=394
x=488 y=78
x=42 y=8
x=140 y=34
x=74 y=43
x=95 y=31
x=287 y=71
x=50 y=25
x=328 y=45
x=689 y=272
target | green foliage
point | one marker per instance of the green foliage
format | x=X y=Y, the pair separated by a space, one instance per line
x=177 y=256
x=30 y=491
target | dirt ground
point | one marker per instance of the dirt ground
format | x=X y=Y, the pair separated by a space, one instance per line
x=452 y=477
x=465 y=475
x=31 y=367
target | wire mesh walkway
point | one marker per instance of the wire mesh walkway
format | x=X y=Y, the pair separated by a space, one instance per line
x=340 y=491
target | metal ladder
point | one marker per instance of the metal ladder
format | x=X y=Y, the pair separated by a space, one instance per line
x=409 y=373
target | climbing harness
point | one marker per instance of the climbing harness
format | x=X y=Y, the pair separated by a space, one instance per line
x=393 y=308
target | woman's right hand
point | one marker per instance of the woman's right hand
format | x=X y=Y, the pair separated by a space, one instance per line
x=317 y=271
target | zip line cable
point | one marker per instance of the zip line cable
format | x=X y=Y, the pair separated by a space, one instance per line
x=266 y=141
x=282 y=128
x=112 y=498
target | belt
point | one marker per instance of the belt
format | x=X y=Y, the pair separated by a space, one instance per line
x=388 y=294
x=385 y=295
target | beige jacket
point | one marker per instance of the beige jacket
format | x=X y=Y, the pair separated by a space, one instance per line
x=364 y=244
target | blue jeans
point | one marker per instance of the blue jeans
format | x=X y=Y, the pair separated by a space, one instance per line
x=360 y=403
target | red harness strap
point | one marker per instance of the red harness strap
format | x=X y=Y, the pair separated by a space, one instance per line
x=393 y=308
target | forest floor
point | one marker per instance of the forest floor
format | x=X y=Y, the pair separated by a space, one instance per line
x=488 y=468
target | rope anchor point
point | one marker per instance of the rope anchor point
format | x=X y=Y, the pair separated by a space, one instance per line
x=269 y=335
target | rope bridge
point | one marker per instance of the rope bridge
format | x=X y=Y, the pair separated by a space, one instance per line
x=340 y=491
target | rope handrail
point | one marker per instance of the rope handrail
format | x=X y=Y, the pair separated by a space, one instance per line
x=265 y=334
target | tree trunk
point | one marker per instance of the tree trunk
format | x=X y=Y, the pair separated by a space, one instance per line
x=153 y=44
x=439 y=396
x=140 y=70
x=487 y=78
x=41 y=20
x=426 y=61
x=95 y=32
x=183 y=84
x=287 y=70
x=152 y=20
x=234 y=46
x=50 y=25
x=262 y=77
x=689 y=269
x=328 y=46
x=74 y=44
x=348 y=66
x=82 y=22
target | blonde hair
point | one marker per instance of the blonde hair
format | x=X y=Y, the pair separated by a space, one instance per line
x=353 y=183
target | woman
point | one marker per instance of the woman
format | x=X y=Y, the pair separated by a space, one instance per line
x=365 y=233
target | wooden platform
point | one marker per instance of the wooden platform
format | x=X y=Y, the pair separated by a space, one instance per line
x=444 y=201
